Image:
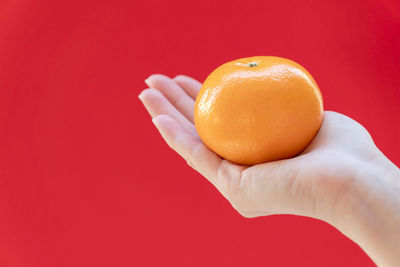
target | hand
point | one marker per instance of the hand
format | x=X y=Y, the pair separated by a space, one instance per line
x=312 y=184
x=329 y=180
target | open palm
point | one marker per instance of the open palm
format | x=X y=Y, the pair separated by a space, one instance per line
x=316 y=183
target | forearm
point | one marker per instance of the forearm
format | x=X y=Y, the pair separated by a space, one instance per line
x=373 y=217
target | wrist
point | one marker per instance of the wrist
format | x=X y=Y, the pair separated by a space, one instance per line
x=371 y=216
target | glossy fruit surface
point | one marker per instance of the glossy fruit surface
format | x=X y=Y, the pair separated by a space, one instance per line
x=258 y=109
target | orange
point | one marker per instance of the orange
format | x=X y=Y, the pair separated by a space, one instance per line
x=258 y=109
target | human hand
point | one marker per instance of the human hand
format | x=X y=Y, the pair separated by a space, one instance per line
x=339 y=176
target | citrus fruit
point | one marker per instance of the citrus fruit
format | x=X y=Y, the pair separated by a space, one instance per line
x=258 y=109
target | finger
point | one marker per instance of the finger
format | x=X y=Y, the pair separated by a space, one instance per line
x=190 y=85
x=156 y=104
x=196 y=154
x=174 y=93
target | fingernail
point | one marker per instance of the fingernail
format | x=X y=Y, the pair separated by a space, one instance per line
x=140 y=96
x=147 y=81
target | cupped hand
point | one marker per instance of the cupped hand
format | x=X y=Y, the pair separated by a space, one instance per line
x=316 y=183
x=341 y=177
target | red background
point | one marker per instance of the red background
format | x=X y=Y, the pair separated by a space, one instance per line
x=85 y=179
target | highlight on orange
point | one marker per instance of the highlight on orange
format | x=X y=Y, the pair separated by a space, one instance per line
x=258 y=109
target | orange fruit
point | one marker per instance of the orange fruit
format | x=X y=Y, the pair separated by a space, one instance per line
x=258 y=109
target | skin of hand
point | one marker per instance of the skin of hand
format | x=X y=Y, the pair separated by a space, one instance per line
x=341 y=177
